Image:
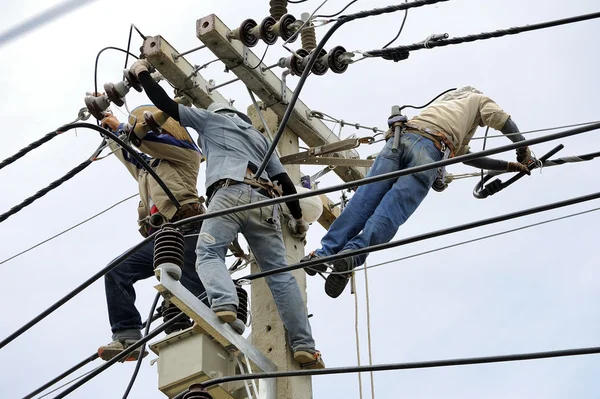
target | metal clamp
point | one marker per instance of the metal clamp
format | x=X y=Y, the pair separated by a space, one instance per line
x=497 y=185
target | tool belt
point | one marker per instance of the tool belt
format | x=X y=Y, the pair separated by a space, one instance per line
x=439 y=139
x=157 y=220
x=265 y=187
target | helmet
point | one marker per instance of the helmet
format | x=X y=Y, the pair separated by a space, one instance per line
x=223 y=107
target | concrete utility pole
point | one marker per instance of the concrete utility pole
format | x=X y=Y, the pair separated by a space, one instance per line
x=268 y=334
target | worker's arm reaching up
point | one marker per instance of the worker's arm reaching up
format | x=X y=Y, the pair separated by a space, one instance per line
x=155 y=93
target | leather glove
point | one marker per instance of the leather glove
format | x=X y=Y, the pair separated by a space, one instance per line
x=299 y=228
x=524 y=155
x=139 y=66
x=518 y=167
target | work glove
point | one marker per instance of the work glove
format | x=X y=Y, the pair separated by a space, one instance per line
x=524 y=155
x=518 y=167
x=139 y=66
x=299 y=228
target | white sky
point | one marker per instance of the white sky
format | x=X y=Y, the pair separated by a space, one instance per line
x=533 y=290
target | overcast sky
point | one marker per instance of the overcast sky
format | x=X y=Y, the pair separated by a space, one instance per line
x=533 y=290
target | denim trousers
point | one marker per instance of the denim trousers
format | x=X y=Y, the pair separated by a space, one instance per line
x=264 y=237
x=376 y=211
x=120 y=294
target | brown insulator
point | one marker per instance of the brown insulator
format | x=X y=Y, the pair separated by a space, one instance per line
x=197 y=391
x=308 y=38
x=278 y=8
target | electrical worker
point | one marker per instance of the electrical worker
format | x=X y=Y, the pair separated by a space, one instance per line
x=234 y=149
x=176 y=160
x=376 y=211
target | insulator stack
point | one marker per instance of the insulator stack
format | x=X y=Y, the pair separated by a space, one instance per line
x=169 y=247
x=308 y=38
x=170 y=311
x=242 y=310
x=278 y=8
x=320 y=66
x=197 y=391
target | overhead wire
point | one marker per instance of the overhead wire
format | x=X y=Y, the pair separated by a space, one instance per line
x=356 y=334
x=400 y=30
x=337 y=13
x=401 y=52
x=386 y=176
x=68 y=229
x=21 y=153
x=369 y=347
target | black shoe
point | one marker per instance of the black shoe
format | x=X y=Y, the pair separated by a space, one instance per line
x=314 y=269
x=336 y=283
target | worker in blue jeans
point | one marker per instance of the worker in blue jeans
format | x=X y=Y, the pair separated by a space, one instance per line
x=376 y=211
x=234 y=150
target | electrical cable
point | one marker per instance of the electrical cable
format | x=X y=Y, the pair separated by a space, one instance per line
x=65 y=384
x=356 y=330
x=128 y=46
x=399 y=31
x=471 y=241
x=401 y=52
x=79 y=365
x=123 y=355
x=55 y=184
x=337 y=13
x=297 y=1
x=429 y=103
x=30 y=147
x=392 y=175
x=261 y=58
x=140 y=357
x=403 y=366
x=427 y=236
x=313 y=59
x=96 y=63
x=69 y=229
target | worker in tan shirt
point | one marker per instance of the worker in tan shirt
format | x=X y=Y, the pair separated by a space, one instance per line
x=377 y=210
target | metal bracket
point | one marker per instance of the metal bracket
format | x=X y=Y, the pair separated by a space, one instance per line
x=314 y=155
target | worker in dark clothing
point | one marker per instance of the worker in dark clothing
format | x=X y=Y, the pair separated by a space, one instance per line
x=234 y=149
x=377 y=210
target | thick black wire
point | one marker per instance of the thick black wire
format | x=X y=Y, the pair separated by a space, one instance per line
x=297 y=1
x=373 y=179
x=30 y=147
x=389 y=53
x=56 y=183
x=313 y=58
x=392 y=175
x=79 y=365
x=487 y=129
x=98 y=57
x=122 y=355
x=261 y=58
x=404 y=366
x=337 y=13
x=131 y=152
x=128 y=46
x=432 y=100
x=399 y=31
x=426 y=236
x=140 y=357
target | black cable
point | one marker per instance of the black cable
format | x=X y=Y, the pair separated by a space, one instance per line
x=74 y=292
x=261 y=58
x=404 y=366
x=142 y=349
x=79 y=365
x=131 y=152
x=373 y=179
x=483 y=149
x=432 y=100
x=400 y=52
x=56 y=183
x=313 y=58
x=30 y=147
x=128 y=46
x=123 y=355
x=399 y=31
x=392 y=175
x=98 y=57
x=337 y=13
x=426 y=236
x=297 y=1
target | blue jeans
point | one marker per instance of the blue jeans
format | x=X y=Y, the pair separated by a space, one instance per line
x=266 y=242
x=120 y=294
x=377 y=210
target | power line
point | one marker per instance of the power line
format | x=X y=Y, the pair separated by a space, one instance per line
x=40 y=19
x=69 y=229
x=404 y=366
x=401 y=52
x=29 y=148
x=399 y=31
x=470 y=241
x=337 y=13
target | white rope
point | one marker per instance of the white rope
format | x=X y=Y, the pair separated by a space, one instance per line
x=369 y=331
x=360 y=388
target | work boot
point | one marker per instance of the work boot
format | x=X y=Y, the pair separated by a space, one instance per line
x=309 y=359
x=314 y=269
x=238 y=326
x=227 y=313
x=342 y=271
x=115 y=348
